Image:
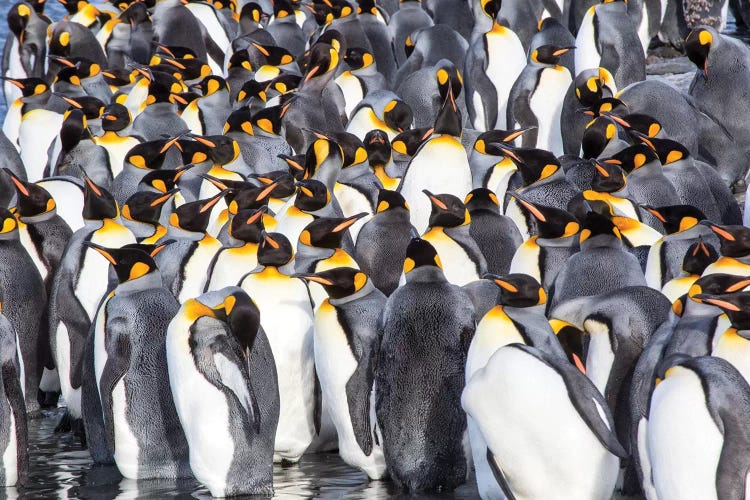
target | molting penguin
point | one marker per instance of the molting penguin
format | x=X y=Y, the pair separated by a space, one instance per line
x=347 y=339
x=432 y=321
x=130 y=363
x=213 y=347
x=496 y=235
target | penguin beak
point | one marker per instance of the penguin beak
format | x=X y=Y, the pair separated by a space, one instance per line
x=435 y=200
x=163 y=199
x=643 y=138
x=512 y=136
x=257 y=215
x=313 y=277
x=271 y=241
x=102 y=251
x=716 y=300
x=617 y=119
x=720 y=231
x=267 y=191
x=312 y=72
x=348 y=222
x=14 y=82
x=562 y=51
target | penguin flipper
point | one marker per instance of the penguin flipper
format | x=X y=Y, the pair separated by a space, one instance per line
x=12 y=386
x=488 y=94
x=499 y=476
x=520 y=112
x=76 y=320
x=115 y=368
x=318 y=402
x=234 y=377
x=734 y=462
x=358 y=390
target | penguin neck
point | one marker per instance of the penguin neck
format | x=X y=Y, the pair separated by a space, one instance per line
x=689 y=234
x=370 y=70
x=96 y=224
x=602 y=241
x=354 y=173
x=362 y=292
x=305 y=252
x=10 y=236
x=557 y=176
x=650 y=169
x=43 y=217
x=139 y=228
x=184 y=234
x=425 y=274
x=145 y=282
x=511 y=311
x=328 y=172
x=567 y=241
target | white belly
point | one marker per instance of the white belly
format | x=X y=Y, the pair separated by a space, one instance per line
x=32 y=251
x=287 y=319
x=22 y=375
x=230 y=267
x=503 y=69
x=546 y=104
x=335 y=364
x=62 y=360
x=100 y=350
x=736 y=350
x=352 y=202
x=352 y=89
x=586 y=54
x=600 y=356
x=365 y=120
x=15 y=70
x=10 y=455
x=195 y=269
x=37 y=131
x=531 y=426
x=197 y=401
x=191 y=116
x=126 y=444
x=452 y=177
x=12 y=122
x=292 y=225
x=526 y=260
x=683 y=441
x=459 y=269
x=69 y=200
x=488 y=487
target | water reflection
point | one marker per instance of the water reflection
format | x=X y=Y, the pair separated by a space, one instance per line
x=60 y=468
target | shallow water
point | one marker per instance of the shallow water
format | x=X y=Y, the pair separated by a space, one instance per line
x=61 y=468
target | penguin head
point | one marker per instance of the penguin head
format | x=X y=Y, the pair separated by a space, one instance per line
x=241 y=314
x=129 y=263
x=448 y=120
x=251 y=15
x=534 y=164
x=735 y=305
x=150 y=155
x=669 y=151
x=518 y=290
x=324 y=60
x=31 y=200
x=358 y=58
x=398 y=115
x=251 y=91
x=98 y=203
x=592 y=85
x=254 y=197
x=194 y=216
x=328 y=232
x=30 y=87
x=18 y=18
x=676 y=218
x=312 y=195
x=86 y=68
x=608 y=177
x=221 y=149
x=211 y=85
x=247 y=225
x=193 y=151
x=319 y=152
x=378 y=147
x=420 y=253
x=698 y=45
x=119 y=77
x=408 y=142
x=67 y=75
x=60 y=40
x=596 y=227
x=8 y=224
x=296 y=165
x=482 y=199
x=158 y=181
x=734 y=240
x=240 y=59
x=491 y=8
x=91 y=107
x=448 y=77
x=161 y=92
x=490 y=142
x=115 y=117
x=698 y=257
x=134 y=14
x=339 y=282
x=284 y=83
x=231 y=186
x=549 y=54
x=717 y=284
x=352 y=148
x=282 y=9
x=550 y=222
x=633 y=157
x=447 y=210
x=274 y=250
x=240 y=120
x=643 y=127
x=73 y=129
x=268 y=121
x=571 y=340
x=146 y=206
x=282 y=179
x=597 y=135
x=367 y=7
x=390 y=200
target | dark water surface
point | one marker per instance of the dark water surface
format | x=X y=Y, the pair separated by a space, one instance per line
x=61 y=468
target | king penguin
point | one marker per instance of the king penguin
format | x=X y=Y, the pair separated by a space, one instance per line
x=14 y=461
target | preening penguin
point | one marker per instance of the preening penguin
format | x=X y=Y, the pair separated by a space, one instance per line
x=213 y=345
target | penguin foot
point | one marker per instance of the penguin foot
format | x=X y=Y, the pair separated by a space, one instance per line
x=47 y=399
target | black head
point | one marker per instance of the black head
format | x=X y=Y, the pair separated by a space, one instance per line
x=146 y=206
x=358 y=58
x=676 y=218
x=159 y=180
x=339 y=282
x=533 y=164
x=91 y=107
x=323 y=60
x=448 y=120
x=398 y=115
x=596 y=224
x=378 y=147
x=282 y=179
x=641 y=125
x=718 y=284
x=735 y=305
x=312 y=195
x=482 y=199
x=115 y=117
x=252 y=89
x=448 y=77
x=32 y=200
x=597 y=135
x=390 y=200
x=633 y=157
x=408 y=142
x=29 y=86
x=247 y=225
x=241 y=120
x=211 y=84
x=254 y=197
x=242 y=316
x=327 y=232
x=550 y=222
x=734 y=240
x=491 y=8
x=490 y=142
x=194 y=216
x=420 y=253
x=518 y=290
x=698 y=45
x=698 y=257
x=98 y=203
x=8 y=222
x=353 y=149
x=150 y=155
x=320 y=151
x=669 y=151
x=269 y=120
x=549 y=54
x=18 y=18
x=129 y=263
x=447 y=210
x=608 y=177
x=274 y=250
x=221 y=149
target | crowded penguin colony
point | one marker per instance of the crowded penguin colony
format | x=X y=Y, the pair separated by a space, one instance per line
x=450 y=240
